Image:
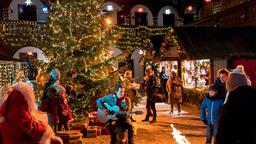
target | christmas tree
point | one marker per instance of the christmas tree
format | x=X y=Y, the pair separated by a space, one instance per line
x=78 y=43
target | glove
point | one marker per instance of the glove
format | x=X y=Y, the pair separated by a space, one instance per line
x=205 y=122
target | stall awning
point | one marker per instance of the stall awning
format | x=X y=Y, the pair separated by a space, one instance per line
x=214 y=43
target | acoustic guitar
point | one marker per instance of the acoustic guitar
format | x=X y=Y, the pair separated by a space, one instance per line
x=110 y=112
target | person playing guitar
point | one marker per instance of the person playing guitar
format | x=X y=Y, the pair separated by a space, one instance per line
x=110 y=110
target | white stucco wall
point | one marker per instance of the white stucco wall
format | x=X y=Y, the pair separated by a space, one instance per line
x=40 y=53
x=146 y=9
x=160 y=20
x=138 y=68
x=14 y=15
x=116 y=8
x=116 y=52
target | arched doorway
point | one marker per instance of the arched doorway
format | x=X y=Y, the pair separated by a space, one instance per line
x=26 y=54
x=27 y=12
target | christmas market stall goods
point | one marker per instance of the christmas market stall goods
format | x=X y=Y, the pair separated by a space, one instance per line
x=195 y=73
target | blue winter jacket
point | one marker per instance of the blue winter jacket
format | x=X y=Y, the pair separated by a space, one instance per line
x=111 y=99
x=210 y=109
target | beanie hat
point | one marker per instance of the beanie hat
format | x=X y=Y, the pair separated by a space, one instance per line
x=236 y=79
x=55 y=74
x=59 y=88
x=213 y=88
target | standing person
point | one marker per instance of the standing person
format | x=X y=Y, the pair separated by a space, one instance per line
x=150 y=87
x=48 y=95
x=163 y=80
x=130 y=91
x=209 y=112
x=61 y=110
x=115 y=99
x=236 y=122
x=220 y=82
x=20 y=122
x=174 y=90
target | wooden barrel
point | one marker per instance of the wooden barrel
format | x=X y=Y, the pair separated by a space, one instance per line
x=70 y=137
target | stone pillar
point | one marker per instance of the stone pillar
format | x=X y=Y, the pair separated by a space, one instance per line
x=155 y=23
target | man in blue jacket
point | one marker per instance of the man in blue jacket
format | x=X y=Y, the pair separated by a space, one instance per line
x=209 y=113
x=111 y=104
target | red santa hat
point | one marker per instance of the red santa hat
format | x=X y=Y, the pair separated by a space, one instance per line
x=38 y=116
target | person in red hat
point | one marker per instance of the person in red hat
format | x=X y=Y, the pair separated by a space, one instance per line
x=21 y=123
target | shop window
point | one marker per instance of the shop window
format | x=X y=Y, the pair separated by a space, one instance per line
x=27 y=12
x=195 y=73
x=141 y=18
x=169 y=66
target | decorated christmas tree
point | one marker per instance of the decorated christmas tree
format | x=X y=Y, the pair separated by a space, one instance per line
x=79 y=43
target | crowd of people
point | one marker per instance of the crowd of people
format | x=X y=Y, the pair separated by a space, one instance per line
x=226 y=109
x=22 y=122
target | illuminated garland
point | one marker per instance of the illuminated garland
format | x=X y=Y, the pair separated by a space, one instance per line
x=170 y=40
x=8 y=72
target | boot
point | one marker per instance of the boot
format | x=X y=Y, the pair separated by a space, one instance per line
x=153 y=121
x=146 y=119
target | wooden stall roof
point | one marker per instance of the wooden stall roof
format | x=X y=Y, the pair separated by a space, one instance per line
x=216 y=43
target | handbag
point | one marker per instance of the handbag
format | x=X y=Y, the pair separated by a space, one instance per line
x=158 y=95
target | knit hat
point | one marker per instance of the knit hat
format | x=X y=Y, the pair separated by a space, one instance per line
x=213 y=88
x=236 y=79
x=59 y=88
x=55 y=74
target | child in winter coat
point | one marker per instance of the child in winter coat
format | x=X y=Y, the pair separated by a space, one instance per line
x=62 y=112
x=209 y=113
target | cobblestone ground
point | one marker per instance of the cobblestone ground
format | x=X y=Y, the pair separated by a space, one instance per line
x=188 y=123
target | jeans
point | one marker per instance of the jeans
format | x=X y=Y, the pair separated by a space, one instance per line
x=150 y=105
x=125 y=125
x=211 y=131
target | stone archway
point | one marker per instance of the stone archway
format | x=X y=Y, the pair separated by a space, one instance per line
x=141 y=9
x=115 y=9
x=172 y=11
x=31 y=50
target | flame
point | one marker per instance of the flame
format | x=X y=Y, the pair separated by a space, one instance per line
x=178 y=137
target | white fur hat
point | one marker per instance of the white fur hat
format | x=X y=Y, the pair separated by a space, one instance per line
x=59 y=88
x=236 y=79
